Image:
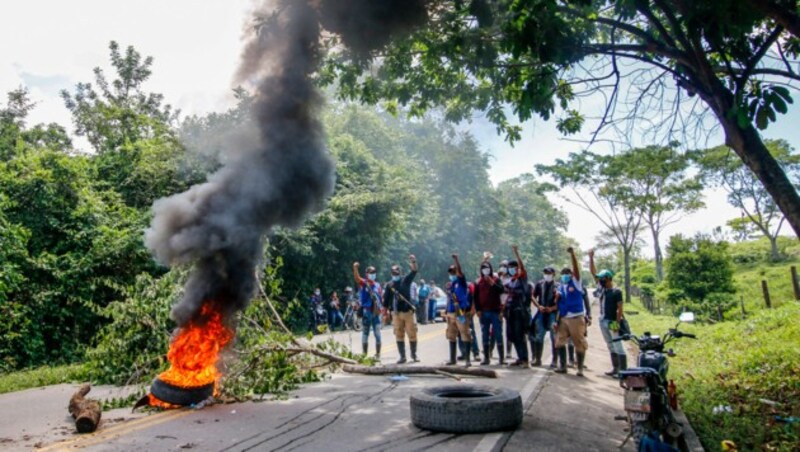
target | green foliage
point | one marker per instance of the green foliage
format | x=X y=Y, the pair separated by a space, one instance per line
x=699 y=274
x=739 y=364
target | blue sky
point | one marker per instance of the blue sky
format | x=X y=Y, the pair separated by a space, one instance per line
x=52 y=45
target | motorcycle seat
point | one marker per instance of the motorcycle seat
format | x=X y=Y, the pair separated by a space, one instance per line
x=638 y=371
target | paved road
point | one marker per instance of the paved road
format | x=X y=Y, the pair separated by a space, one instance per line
x=344 y=413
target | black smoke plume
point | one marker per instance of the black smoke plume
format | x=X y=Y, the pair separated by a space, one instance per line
x=278 y=171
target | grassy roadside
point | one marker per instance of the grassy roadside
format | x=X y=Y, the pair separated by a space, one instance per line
x=42 y=376
x=750 y=365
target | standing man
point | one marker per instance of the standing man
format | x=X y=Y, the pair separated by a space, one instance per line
x=545 y=301
x=518 y=308
x=436 y=294
x=423 y=297
x=611 y=314
x=488 y=289
x=398 y=298
x=369 y=294
x=336 y=312
x=572 y=322
x=459 y=311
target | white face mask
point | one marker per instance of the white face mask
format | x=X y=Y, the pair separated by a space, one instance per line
x=372 y=276
x=548 y=278
x=512 y=271
x=485 y=271
x=504 y=269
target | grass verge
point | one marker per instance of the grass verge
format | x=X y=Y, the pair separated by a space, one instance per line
x=42 y=376
x=750 y=365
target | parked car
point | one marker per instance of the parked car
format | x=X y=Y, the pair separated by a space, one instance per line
x=441 y=307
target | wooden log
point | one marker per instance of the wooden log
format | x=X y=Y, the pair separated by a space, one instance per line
x=765 y=289
x=401 y=369
x=795 y=283
x=86 y=412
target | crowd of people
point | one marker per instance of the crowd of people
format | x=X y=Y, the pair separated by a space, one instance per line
x=505 y=299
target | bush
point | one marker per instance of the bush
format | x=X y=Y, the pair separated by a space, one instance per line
x=699 y=270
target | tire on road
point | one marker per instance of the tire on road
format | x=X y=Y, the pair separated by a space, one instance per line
x=180 y=396
x=466 y=409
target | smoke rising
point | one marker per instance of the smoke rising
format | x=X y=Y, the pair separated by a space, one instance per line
x=278 y=171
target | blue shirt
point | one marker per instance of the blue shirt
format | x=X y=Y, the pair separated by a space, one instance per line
x=571 y=302
x=458 y=290
x=366 y=293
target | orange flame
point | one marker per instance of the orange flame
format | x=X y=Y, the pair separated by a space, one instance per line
x=194 y=352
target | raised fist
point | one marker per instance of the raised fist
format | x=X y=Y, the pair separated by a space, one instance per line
x=412 y=258
x=455 y=256
x=355 y=264
x=570 y=250
x=590 y=252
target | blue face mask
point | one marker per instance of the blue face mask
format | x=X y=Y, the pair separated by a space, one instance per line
x=395 y=278
x=512 y=271
x=565 y=278
x=453 y=278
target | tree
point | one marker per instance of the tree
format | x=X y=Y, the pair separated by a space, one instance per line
x=652 y=60
x=700 y=270
x=721 y=167
x=599 y=177
x=655 y=183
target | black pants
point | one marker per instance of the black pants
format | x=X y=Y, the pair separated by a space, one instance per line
x=517 y=326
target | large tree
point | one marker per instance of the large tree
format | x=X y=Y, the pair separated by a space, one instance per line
x=721 y=167
x=652 y=60
x=654 y=182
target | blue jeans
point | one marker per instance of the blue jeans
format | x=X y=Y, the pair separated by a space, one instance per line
x=371 y=320
x=613 y=347
x=431 y=310
x=336 y=318
x=544 y=323
x=491 y=321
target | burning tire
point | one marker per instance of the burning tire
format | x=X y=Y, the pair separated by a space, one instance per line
x=176 y=395
x=466 y=409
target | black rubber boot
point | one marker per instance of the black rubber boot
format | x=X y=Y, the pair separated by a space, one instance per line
x=378 y=351
x=562 y=357
x=401 y=348
x=486 y=352
x=615 y=365
x=491 y=348
x=553 y=353
x=501 y=355
x=364 y=348
x=538 y=348
x=623 y=362
x=452 y=361
x=581 y=359
x=571 y=353
x=413 y=345
x=467 y=351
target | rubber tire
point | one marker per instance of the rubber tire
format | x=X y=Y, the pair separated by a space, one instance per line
x=180 y=396
x=500 y=410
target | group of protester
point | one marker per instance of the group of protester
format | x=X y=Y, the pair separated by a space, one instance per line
x=528 y=310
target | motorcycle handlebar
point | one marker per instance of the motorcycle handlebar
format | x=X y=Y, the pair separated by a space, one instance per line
x=692 y=336
x=622 y=338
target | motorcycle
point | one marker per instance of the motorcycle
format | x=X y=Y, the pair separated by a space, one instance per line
x=319 y=318
x=351 y=318
x=649 y=395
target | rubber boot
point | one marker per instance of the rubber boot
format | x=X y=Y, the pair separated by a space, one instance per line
x=581 y=359
x=571 y=353
x=623 y=362
x=378 y=351
x=491 y=348
x=401 y=348
x=615 y=364
x=452 y=361
x=364 y=348
x=553 y=353
x=413 y=345
x=486 y=352
x=467 y=351
x=501 y=356
x=562 y=357
x=538 y=348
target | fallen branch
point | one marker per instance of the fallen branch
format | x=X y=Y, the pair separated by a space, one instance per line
x=86 y=412
x=399 y=369
x=321 y=354
x=448 y=374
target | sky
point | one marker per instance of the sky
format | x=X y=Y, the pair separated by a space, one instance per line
x=52 y=45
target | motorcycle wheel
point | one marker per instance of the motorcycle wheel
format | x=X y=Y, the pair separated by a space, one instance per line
x=356 y=324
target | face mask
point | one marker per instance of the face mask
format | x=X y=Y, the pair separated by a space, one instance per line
x=485 y=271
x=453 y=278
x=395 y=278
x=316 y=292
x=603 y=282
x=512 y=271
x=372 y=276
x=548 y=278
x=565 y=278
x=504 y=269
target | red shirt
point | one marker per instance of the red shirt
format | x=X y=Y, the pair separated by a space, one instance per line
x=487 y=295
